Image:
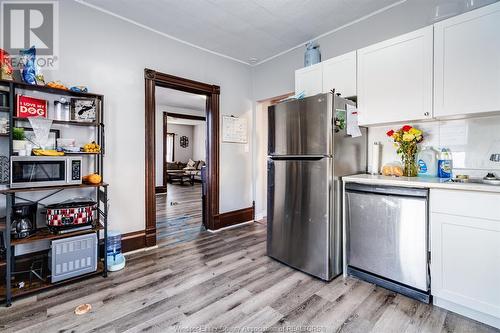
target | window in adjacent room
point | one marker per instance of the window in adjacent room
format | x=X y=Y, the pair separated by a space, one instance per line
x=170 y=147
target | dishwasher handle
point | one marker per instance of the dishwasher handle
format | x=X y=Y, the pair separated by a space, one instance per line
x=387 y=190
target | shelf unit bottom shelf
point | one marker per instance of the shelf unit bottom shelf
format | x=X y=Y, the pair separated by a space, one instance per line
x=45 y=234
x=40 y=286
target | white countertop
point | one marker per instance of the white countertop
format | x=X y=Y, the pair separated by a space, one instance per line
x=420 y=182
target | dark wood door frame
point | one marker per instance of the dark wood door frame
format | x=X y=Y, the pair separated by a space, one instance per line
x=163 y=189
x=152 y=80
x=182 y=116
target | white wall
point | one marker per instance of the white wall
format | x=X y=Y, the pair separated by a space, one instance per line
x=174 y=109
x=199 y=142
x=109 y=56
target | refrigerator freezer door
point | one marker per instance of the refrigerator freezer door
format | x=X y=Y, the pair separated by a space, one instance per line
x=300 y=203
x=301 y=127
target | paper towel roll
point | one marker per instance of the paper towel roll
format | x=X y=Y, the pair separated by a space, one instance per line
x=375 y=169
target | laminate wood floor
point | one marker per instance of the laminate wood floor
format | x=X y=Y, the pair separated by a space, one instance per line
x=224 y=282
x=178 y=214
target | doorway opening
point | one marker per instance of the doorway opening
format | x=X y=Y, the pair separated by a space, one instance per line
x=180 y=159
x=164 y=145
x=260 y=146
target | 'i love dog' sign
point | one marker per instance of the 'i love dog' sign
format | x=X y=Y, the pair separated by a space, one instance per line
x=31 y=107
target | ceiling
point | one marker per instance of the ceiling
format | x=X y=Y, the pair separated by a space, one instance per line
x=180 y=99
x=249 y=31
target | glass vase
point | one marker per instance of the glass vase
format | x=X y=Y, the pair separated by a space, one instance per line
x=410 y=168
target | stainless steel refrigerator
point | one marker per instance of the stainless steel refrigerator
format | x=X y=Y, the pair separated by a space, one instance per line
x=307 y=156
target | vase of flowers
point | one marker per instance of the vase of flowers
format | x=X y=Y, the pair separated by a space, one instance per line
x=406 y=140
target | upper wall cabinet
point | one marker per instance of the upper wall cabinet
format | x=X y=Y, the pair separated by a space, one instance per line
x=395 y=79
x=339 y=73
x=309 y=79
x=467 y=63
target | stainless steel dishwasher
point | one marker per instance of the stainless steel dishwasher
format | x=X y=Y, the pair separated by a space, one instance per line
x=387 y=237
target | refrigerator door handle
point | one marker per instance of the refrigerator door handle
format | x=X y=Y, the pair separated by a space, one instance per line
x=298 y=157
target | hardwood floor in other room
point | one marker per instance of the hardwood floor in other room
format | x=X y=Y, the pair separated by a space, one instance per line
x=178 y=213
x=224 y=280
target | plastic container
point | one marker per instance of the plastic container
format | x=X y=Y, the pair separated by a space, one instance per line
x=427 y=161
x=61 y=110
x=445 y=164
x=115 y=258
x=312 y=55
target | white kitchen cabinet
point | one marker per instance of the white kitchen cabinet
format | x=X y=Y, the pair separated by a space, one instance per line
x=309 y=79
x=395 y=79
x=339 y=73
x=465 y=253
x=467 y=63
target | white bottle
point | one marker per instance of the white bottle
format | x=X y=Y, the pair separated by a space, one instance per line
x=375 y=170
x=427 y=162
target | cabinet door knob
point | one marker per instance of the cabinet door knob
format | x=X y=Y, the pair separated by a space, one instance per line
x=426 y=114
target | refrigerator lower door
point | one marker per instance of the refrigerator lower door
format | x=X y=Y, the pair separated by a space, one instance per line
x=300 y=204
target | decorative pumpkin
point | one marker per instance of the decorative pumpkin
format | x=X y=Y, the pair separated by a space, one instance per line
x=93 y=178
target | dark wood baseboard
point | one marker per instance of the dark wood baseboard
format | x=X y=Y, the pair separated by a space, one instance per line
x=160 y=189
x=234 y=217
x=133 y=241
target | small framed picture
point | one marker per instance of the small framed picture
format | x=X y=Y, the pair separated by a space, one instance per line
x=83 y=109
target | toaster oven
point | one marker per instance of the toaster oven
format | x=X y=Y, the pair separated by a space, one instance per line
x=37 y=171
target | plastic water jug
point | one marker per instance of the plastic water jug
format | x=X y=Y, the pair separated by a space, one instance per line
x=312 y=55
x=428 y=162
x=115 y=258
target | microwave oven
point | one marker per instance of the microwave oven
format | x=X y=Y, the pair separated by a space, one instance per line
x=39 y=171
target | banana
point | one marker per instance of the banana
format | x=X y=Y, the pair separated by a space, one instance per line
x=42 y=152
x=92 y=147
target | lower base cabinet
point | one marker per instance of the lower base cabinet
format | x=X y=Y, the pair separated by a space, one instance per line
x=465 y=253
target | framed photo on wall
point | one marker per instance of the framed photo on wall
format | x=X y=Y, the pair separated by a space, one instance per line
x=83 y=109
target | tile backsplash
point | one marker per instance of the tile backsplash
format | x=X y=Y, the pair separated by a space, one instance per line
x=472 y=141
